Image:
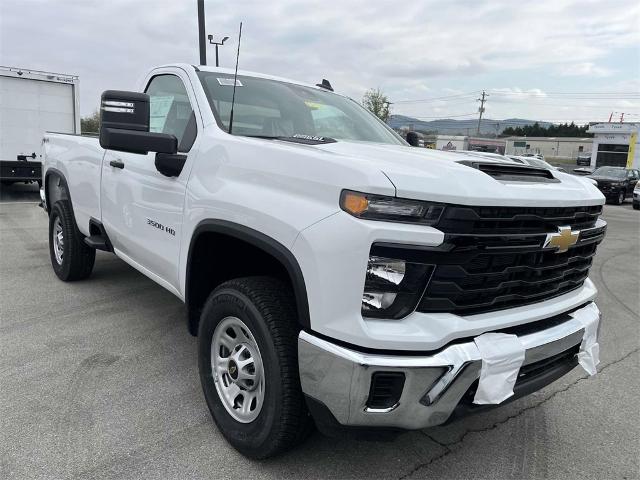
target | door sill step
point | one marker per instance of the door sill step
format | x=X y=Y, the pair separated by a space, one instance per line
x=98 y=242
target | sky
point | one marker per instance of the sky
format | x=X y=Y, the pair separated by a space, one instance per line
x=552 y=60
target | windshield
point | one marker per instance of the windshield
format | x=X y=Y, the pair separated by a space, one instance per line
x=270 y=108
x=610 y=172
x=538 y=163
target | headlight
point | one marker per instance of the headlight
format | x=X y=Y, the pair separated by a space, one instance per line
x=393 y=287
x=390 y=209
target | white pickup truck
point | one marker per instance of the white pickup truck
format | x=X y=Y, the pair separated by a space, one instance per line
x=334 y=275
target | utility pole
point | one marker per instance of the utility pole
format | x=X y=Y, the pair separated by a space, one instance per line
x=201 y=33
x=481 y=109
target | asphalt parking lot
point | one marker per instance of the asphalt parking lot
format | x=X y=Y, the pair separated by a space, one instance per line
x=98 y=379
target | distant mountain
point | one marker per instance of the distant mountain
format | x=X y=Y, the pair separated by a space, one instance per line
x=448 y=126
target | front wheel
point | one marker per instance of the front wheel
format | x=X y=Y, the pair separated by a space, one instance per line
x=620 y=198
x=248 y=364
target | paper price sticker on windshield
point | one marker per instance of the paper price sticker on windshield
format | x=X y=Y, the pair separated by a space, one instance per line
x=228 y=82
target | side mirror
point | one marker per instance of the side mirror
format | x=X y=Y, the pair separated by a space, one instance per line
x=413 y=139
x=124 y=125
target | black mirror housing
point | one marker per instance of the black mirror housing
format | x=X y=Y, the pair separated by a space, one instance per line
x=414 y=139
x=134 y=141
x=124 y=110
x=124 y=125
x=170 y=165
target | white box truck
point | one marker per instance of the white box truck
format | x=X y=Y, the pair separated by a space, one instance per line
x=32 y=103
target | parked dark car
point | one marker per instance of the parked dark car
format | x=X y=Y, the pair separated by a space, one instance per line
x=616 y=183
x=583 y=170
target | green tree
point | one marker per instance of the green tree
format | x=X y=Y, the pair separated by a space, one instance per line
x=559 y=130
x=91 y=123
x=377 y=103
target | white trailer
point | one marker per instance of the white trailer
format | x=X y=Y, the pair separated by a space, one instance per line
x=32 y=103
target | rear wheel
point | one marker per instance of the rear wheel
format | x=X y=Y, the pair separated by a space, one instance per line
x=248 y=364
x=71 y=258
x=636 y=206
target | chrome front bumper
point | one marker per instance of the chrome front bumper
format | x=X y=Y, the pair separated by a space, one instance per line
x=340 y=378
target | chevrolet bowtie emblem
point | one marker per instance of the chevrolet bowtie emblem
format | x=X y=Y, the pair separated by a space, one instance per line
x=562 y=240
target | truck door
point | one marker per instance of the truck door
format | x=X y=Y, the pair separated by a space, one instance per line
x=141 y=208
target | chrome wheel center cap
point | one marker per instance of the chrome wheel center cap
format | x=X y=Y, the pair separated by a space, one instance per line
x=233 y=370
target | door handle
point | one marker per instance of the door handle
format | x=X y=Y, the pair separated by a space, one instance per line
x=116 y=163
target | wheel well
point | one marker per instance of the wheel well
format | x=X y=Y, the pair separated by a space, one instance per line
x=55 y=188
x=215 y=257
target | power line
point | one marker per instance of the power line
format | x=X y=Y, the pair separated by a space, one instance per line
x=581 y=97
x=499 y=92
x=525 y=103
x=440 y=117
x=431 y=99
x=585 y=96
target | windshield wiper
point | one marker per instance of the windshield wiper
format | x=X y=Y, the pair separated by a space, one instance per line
x=297 y=138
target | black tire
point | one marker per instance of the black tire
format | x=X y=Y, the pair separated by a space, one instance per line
x=619 y=199
x=266 y=306
x=78 y=258
x=636 y=206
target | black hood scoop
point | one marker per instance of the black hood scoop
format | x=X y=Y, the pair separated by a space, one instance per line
x=506 y=172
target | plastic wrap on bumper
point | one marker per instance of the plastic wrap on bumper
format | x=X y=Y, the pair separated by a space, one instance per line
x=340 y=378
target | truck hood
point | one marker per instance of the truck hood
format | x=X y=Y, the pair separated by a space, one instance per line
x=434 y=175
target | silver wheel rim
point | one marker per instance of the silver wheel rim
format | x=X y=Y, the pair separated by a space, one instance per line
x=237 y=369
x=57 y=235
x=621 y=197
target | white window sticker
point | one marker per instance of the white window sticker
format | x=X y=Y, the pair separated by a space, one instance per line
x=228 y=82
x=159 y=107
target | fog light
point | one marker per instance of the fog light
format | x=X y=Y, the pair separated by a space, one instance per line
x=393 y=287
x=378 y=301
x=386 y=269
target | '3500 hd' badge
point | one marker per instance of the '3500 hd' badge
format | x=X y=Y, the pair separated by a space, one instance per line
x=159 y=226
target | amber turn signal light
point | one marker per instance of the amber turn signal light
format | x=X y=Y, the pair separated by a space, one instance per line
x=355 y=203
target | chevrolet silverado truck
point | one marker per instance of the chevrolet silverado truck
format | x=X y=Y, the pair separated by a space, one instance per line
x=334 y=275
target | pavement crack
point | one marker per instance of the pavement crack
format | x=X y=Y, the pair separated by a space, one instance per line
x=447 y=450
x=450 y=447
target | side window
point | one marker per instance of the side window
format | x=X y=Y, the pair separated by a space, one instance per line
x=170 y=110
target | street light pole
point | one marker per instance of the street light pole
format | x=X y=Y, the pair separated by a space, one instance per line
x=201 y=33
x=224 y=39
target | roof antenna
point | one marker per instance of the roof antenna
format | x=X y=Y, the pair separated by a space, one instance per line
x=235 y=80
